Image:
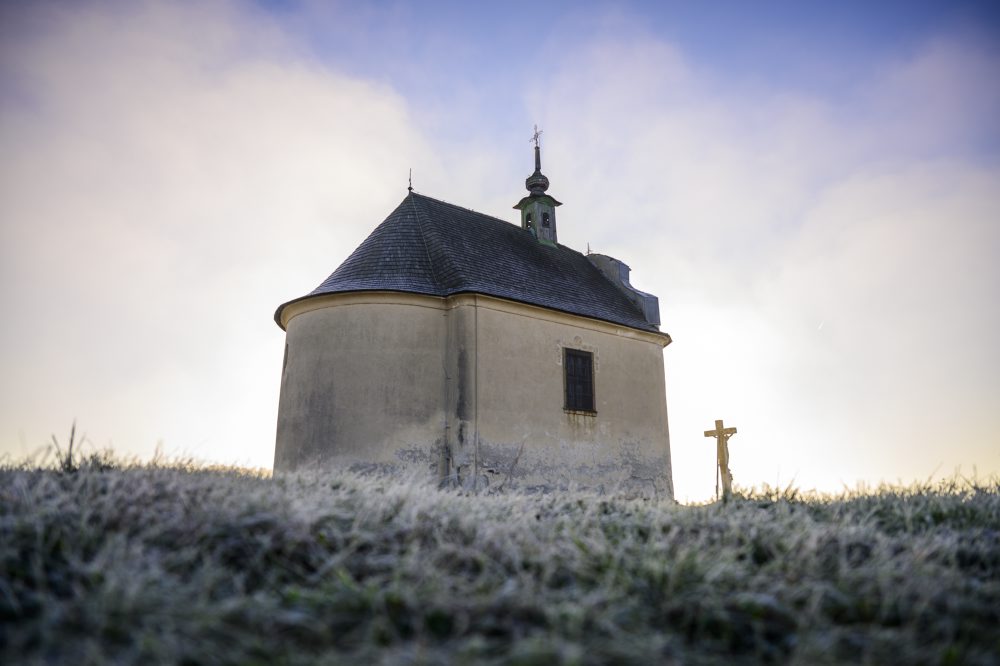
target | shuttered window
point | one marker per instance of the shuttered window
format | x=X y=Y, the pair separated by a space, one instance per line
x=579 y=367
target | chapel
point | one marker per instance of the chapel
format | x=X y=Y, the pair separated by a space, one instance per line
x=480 y=353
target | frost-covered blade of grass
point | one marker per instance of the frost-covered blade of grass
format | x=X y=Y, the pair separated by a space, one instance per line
x=157 y=564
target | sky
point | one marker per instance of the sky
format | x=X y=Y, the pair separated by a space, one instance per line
x=811 y=189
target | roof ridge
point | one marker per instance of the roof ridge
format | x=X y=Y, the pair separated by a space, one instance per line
x=467 y=210
x=423 y=237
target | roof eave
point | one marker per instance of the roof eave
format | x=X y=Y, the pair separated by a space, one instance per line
x=535 y=197
x=652 y=329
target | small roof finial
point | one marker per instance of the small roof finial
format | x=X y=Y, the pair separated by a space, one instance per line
x=410 y=186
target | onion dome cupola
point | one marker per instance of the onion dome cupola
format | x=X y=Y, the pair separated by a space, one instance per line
x=538 y=209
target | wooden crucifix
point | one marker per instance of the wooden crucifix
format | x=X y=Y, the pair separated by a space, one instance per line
x=722 y=435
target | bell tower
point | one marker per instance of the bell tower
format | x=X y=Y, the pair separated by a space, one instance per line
x=538 y=209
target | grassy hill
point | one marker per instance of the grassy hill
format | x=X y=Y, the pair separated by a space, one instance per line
x=110 y=563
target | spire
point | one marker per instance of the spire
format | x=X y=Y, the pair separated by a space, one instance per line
x=537 y=183
x=538 y=209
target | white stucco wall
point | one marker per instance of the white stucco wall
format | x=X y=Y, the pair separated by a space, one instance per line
x=470 y=388
x=521 y=400
x=363 y=381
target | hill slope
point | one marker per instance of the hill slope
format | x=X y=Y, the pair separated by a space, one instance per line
x=172 y=564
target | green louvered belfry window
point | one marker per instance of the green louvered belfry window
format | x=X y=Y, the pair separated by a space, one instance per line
x=579 y=366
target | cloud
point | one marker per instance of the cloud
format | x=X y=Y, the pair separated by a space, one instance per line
x=825 y=257
x=941 y=100
x=758 y=214
x=900 y=266
x=171 y=174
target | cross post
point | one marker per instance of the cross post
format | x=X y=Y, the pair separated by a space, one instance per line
x=722 y=435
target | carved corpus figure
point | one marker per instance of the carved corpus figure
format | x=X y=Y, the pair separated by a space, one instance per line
x=722 y=435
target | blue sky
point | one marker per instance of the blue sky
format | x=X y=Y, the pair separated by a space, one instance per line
x=425 y=49
x=812 y=190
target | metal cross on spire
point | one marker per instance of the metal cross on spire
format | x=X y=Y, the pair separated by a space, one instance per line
x=722 y=436
x=534 y=137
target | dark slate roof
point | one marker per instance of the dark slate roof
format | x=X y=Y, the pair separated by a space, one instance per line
x=427 y=246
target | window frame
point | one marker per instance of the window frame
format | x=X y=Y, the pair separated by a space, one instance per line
x=578 y=405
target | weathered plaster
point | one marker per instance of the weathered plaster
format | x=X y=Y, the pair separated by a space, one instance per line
x=470 y=389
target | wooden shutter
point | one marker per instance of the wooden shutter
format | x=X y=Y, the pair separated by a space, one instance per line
x=579 y=366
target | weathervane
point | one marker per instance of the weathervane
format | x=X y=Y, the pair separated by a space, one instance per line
x=722 y=436
x=410 y=187
x=534 y=137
